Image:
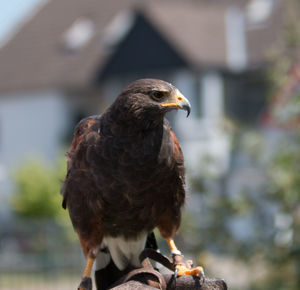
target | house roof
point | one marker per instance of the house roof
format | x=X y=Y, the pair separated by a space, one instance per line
x=38 y=56
x=195 y=29
x=35 y=56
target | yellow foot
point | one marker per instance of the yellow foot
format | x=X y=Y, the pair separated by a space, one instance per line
x=181 y=270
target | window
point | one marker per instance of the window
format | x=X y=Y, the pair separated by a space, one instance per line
x=259 y=10
x=79 y=34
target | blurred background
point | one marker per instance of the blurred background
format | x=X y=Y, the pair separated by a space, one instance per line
x=237 y=61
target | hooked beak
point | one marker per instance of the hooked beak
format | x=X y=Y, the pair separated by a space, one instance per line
x=178 y=101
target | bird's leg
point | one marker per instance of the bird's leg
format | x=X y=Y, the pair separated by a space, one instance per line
x=182 y=268
x=173 y=247
x=88 y=268
x=86 y=282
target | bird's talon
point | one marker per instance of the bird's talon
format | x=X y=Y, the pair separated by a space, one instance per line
x=86 y=284
x=202 y=278
x=181 y=270
x=201 y=275
x=176 y=273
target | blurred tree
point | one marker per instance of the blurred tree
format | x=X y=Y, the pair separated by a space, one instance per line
x=253 y=212
x=37 y=190
x=283 y=168
x=42 y=228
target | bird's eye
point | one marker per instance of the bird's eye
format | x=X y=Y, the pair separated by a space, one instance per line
x=158 y=95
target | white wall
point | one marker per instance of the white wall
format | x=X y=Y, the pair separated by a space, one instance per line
x=31 y=124
x=236 y=51
x=203 y=136
x=212 y=92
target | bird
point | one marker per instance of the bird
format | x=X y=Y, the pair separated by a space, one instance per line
x=126 y=176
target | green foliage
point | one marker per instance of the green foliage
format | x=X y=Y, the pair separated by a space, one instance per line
x=283 y=168
x=220 y=207
x=284 y=174
x=286 y=50
x=37 y=190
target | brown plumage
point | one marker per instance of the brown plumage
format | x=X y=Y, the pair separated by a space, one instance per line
x=125 y=168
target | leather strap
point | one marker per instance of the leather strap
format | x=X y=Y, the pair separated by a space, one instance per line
x=147 y=270
x=160 y=282
x=158 y=257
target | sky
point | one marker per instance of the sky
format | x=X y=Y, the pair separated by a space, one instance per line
x=13 y=12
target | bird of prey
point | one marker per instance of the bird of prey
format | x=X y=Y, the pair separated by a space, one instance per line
x=126 y=176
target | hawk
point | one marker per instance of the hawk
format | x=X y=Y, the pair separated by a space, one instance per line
x=126 y=176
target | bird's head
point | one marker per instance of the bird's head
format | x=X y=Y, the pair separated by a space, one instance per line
x=150 y=99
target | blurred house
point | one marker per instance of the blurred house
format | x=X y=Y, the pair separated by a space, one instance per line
x=72 y=57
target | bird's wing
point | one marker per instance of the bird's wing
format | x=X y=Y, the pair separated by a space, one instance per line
x=86 y=135
x=178 y=157
x=79 y=188
x=170 y=220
